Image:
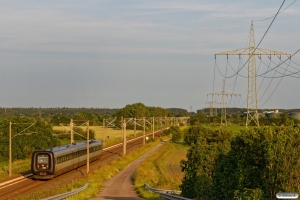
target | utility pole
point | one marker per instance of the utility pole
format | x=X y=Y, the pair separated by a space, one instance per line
x=72 y=135
x=252 y=51
x=134 y=127
x=160 y=119
x=144 y=125
x=153 y=126
x=124 y=136
x=88 y=148
x=104 y=128
x=10 y=149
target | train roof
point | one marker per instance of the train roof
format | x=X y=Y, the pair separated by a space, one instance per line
x=74 y=146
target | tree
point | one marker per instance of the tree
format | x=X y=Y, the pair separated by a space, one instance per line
x=40 y=137
x=206 y=145
x=262 y=161
x=139 y=110
x=199 y=118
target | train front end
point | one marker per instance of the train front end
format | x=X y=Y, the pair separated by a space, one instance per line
x=43 y=165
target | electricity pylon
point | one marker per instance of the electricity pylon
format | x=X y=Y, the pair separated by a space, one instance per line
x=252 y=51
x=212 y=107
x=224 y=95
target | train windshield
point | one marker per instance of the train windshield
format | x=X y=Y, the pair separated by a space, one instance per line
x=43 y=158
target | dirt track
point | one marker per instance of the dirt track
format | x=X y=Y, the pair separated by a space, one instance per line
x=120 y=187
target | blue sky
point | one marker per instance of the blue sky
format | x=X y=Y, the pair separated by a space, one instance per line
x=161 y=53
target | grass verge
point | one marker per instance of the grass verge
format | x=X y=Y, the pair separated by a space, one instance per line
x=95 y=178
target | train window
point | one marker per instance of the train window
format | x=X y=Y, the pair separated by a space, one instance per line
x=42 y=161
x=43 y=158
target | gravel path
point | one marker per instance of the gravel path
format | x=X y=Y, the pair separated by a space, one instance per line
x=121 y=186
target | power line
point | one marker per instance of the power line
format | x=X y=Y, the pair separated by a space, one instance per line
x=283 y=74
x=280 y=64
x=272 y=93
x=278 y=13
x=258 y=43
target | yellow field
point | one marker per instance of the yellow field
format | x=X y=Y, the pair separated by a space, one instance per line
x=109 y=136
x=101 y=133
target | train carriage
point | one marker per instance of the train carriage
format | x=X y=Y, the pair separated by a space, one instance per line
x=46 y=164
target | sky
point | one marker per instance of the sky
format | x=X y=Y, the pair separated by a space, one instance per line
x=108 y=54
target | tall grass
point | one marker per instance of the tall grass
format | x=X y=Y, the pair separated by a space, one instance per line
x=18 y=167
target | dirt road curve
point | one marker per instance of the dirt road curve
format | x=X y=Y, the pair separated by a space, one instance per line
x=120 y=187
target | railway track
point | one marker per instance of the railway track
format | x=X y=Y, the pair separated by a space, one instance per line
x=25 y=184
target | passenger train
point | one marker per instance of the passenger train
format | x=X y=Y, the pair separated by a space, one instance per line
x=48 y=163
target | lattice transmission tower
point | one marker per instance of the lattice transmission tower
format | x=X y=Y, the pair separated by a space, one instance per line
x=252 y=51
x=224 y=95
x=213 y=106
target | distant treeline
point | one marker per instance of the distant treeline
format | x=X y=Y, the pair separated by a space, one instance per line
x=57 y=116
x=48 y=112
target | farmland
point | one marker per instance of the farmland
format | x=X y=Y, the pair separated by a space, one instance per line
x=109 y=136
x=161 y=170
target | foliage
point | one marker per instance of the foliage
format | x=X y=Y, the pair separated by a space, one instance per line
x=201 y=134
x=258 y=163
x=248 y=194
x=206 y=145
x=199 y=118
x=178 y=112
x=267 y=158
x=80 y=117
x=25 y=140
x=278 y=120
x=139 y=110
x=49 y=112
x=175 y=132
